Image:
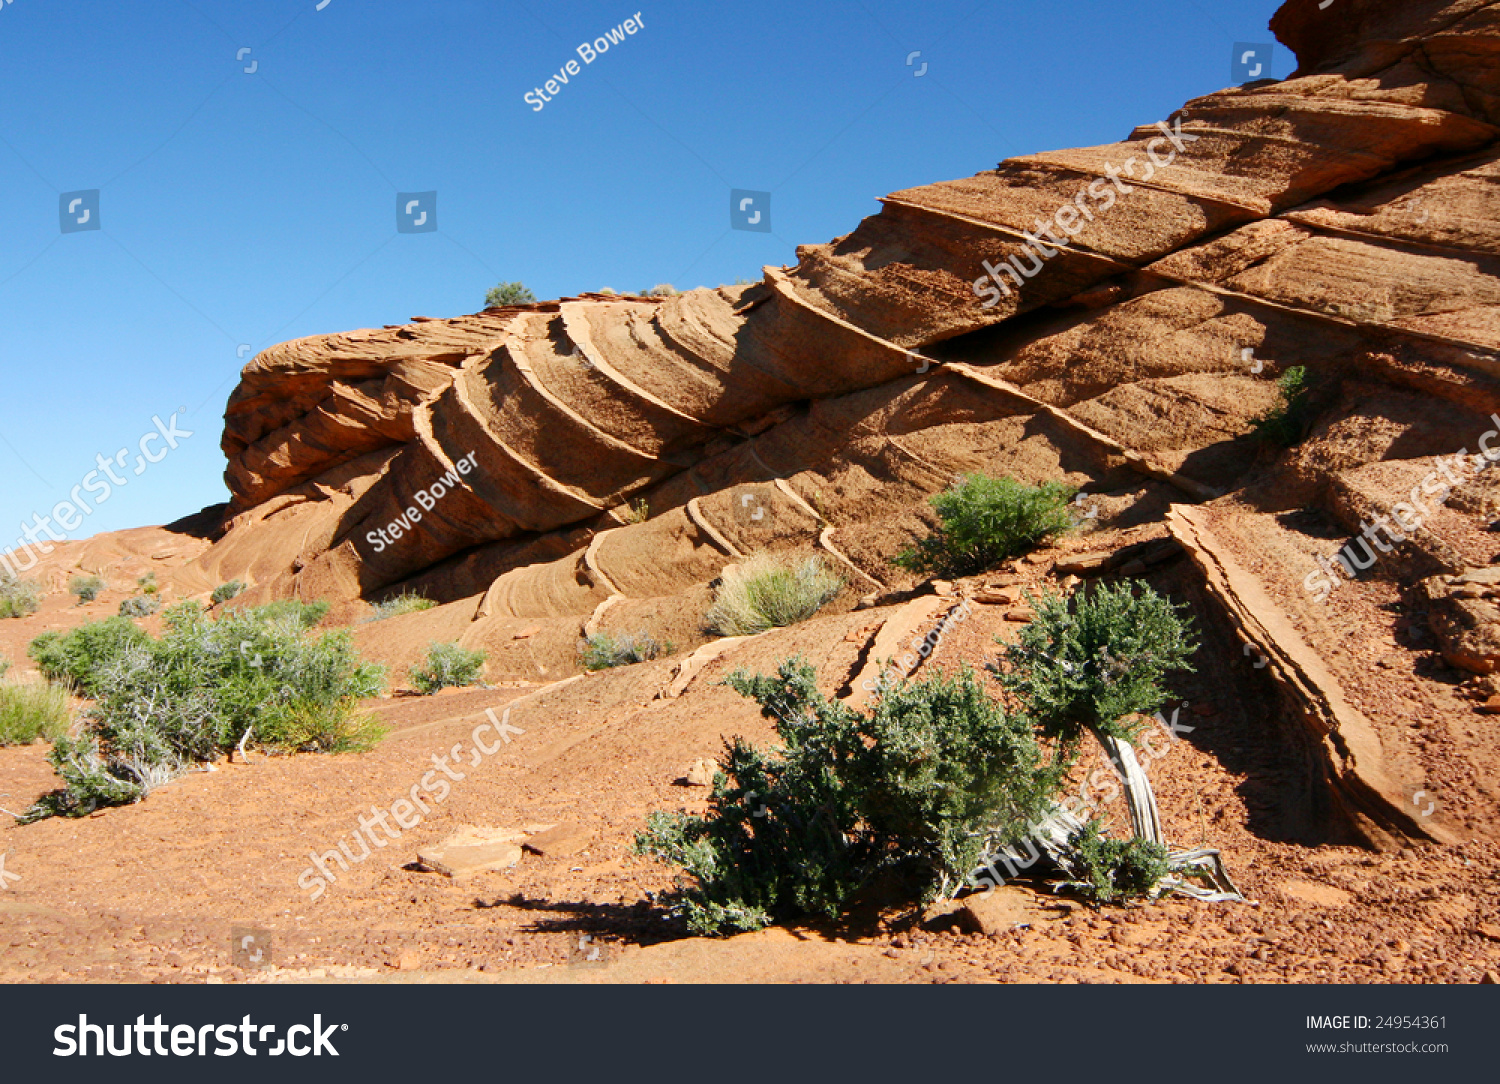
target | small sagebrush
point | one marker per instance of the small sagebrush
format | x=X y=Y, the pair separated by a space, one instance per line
x=140 y=606
x=30 y=712
x=226 y=591
x=603 y=650
x=18 y=597
x=447 y=666
x=986 y=520
x=87 y=588
x=770 y=591
x=405 y=603
x=148 y=585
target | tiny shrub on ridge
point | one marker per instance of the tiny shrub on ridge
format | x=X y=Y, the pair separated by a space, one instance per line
x=140 y=606
x=226 y=591
x=87 y=588
x=18 y=597
x=604 y=650
x=447 y=666
x=407 y=602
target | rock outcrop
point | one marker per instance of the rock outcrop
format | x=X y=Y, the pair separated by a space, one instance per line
x=1112 y=316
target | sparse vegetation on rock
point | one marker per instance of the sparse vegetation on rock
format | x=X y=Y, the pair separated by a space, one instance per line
x=771 y=591
x=604 y=650
x=447 y=666
x=140 y=606
x=18 y=597
x=226 y=591
x=986 y=520
x=1285 y=424
x=87 y=588
x=406 y=602
x=509 y=293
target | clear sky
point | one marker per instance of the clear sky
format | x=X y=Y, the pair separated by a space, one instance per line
x=241 y=208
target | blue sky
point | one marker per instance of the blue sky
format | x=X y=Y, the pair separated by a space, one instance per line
x=240 y=209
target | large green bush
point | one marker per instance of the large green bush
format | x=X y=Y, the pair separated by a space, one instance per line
x=986 y=520
x=203 y=687
x=771 y=591
x=936 y=776
x=908 y=790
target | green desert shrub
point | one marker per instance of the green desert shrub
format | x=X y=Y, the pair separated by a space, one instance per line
x=76 y=658
x=1285 y=424
x=18 y=597
x=603 y=650
x=165 y=704
x=291 y=611
x=770 y=591
x=447 y=665
x=226 y=591
x=405 y=603
x=29 y=712
x=87 y=588
x=4 y=666
x=509 y=293
x=140 y=606
x=1114 y=870
x=148 y=584
x=985 y=520
x=1096 y=661
x=908 y=790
